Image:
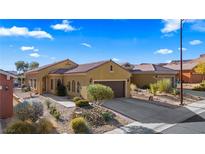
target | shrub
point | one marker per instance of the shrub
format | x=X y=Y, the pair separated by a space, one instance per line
x=25 y=89
x=153 y=88
x=107 y=116
x=44 y=127
x=75 y=99
x=48 y=103
x=175 y=91
x=98 y=92
x=79 y=126
x=201 y=87
x=29 y=110
x=21 y=127
x=82 y=103
x=146 y=87
x=133 y=87
x=164 y=85
x=61 y=90
x=55 y=113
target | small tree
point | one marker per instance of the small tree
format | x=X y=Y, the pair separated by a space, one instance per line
x=33 y=65
x=98 y=92
x=200 y=68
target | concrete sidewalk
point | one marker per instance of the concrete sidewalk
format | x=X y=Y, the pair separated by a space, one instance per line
x=180 y=126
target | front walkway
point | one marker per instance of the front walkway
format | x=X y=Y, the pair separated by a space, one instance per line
x=188 y=122
x=60 y=100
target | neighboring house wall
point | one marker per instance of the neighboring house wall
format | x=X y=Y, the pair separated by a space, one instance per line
x=6 y=96
x=144 y=80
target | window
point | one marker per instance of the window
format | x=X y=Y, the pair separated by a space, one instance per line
x=68 y=85
x=78 y=87
x=73 y=86
x=31 y=83
x=58 y=82
x=51 y=84
x=111 y=69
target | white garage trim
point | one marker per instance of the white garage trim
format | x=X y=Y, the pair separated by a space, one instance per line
x=116 y=80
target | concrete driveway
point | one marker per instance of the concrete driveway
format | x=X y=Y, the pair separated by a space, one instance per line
x=195 y=93
x=146 y=112
x=152 y=118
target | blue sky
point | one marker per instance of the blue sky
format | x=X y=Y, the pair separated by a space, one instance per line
x=135 y=41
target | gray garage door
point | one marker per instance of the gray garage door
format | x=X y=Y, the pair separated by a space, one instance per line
x=118 y=87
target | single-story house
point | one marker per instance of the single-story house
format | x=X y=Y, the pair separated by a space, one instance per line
x=6 y=93
x=145 y=74
x=76 y=77
x=189 y=74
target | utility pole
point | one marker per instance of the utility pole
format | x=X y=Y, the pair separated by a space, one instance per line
x=181 y=64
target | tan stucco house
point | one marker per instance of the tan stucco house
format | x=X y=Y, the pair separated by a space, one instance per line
x=76 y=77
x=142 y=75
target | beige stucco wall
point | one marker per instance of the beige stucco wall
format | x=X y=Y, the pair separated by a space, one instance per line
x=44 y=73
x=145 y=79
x=118 y=74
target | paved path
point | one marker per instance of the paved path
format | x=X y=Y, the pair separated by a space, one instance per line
x=159 y=119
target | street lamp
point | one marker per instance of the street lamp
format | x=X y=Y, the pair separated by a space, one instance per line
x=181 y=64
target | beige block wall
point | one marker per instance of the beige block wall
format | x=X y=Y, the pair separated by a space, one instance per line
x=145 y=79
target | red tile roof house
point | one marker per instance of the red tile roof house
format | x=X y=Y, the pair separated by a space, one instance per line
x=6 y=94
x=189 y=74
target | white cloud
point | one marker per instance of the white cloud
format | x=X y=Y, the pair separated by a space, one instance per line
x=183 y=49
x=168 y=61
x=164 y=51
x=115 y=59
x=170 y=25
x=86 y=45
x=36 y=50
x=52 y=58
x=65 y=26
x=199 y=25
x=35 y=55
x=24 y=31
x=195 y=42
x=27 y=48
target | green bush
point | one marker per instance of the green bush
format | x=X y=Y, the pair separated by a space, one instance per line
x=153 y=88
x=79 y=126
x=75 y=99
x=61 y=90
x=82 y=103
x=98 y=92
x=175 y=91
x=44 y=127
x=21 y=127
x=201 y=87
x=164 y=85
x=55 y=113
x=25 y=89
x=29 y=110
x=48 y=103
x=107 y=116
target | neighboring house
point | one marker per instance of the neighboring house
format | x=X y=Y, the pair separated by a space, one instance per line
x=77 y=77
x=189 y=74
x=6 y=93
x=144 y=74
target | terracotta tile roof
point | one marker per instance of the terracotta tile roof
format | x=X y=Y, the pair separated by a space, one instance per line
x=46 y=66
x=187 y=64
x=85 y=67
x=151 y=68
x=60 y=71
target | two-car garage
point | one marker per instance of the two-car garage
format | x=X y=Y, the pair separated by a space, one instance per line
x=118 y=87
